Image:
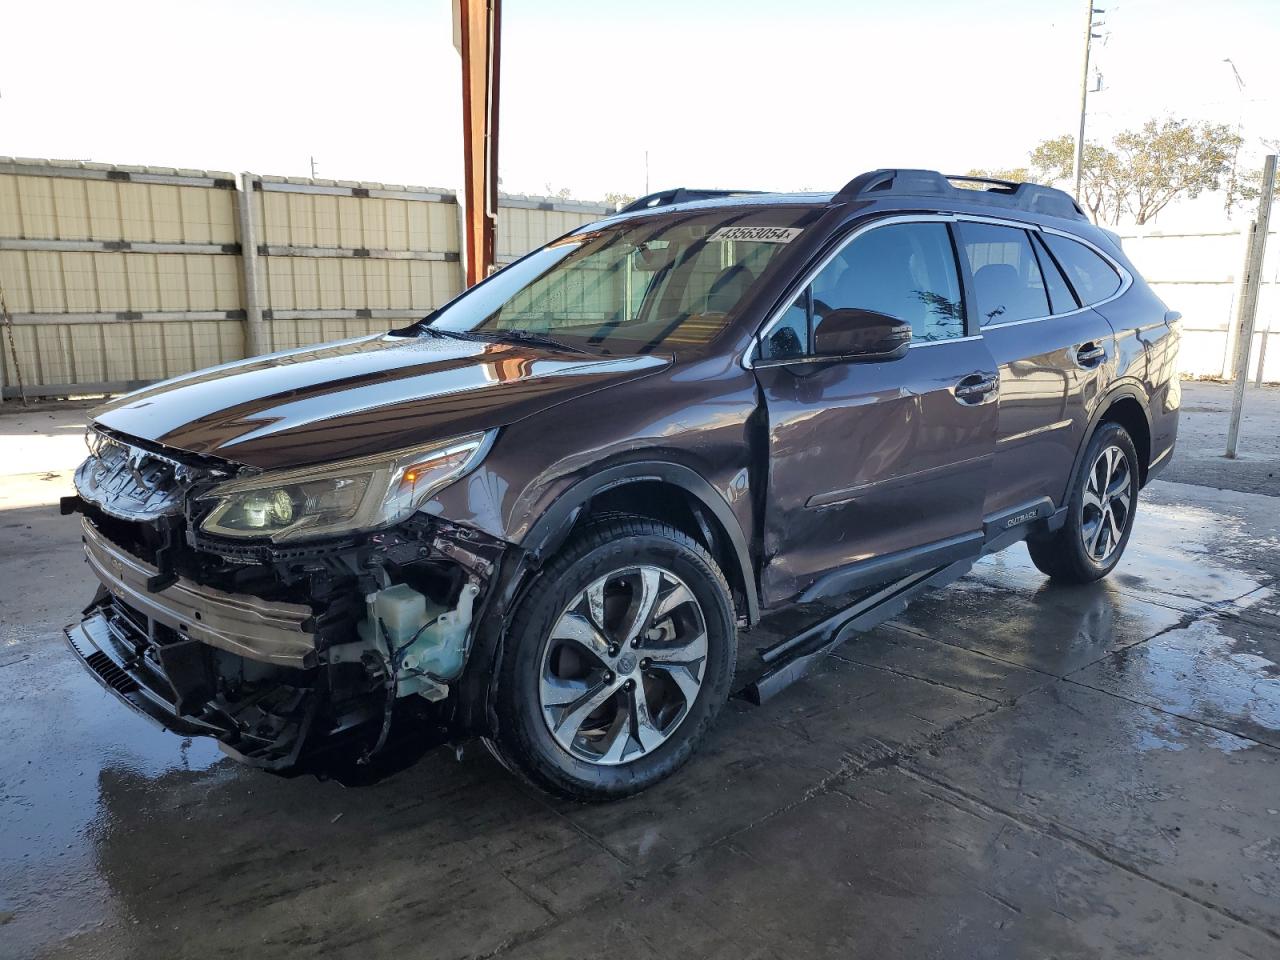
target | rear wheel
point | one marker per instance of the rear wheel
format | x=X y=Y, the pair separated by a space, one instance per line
x=1100 y=512
x=618 y=661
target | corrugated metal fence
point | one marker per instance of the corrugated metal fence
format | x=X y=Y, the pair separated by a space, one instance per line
x=117 y=276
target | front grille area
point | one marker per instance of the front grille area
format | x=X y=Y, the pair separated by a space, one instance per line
x=132 y=483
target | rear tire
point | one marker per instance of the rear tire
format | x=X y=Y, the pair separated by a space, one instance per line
x=1100 y=512
x=618 y=660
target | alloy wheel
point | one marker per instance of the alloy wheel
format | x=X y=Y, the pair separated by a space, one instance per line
x=623 y=665
x=1107 y=501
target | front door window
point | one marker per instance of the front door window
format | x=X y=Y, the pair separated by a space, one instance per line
x=905 y=270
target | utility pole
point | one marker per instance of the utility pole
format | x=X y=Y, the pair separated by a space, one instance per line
x=313 y=168
x=1249 y=299
x=1232 y=182
x=1089 y=37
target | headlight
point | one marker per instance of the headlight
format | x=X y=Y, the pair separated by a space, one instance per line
x=341 y=497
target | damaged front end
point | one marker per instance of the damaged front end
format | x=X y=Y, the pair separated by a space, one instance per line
x=287 y=614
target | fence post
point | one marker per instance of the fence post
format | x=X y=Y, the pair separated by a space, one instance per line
x=1249 y=299
x=2 y=351
x=246 y=209
x=462 y=239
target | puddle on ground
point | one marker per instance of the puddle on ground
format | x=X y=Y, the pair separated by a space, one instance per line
x=1219 y=671
x=66 y=737
x=1151 y=733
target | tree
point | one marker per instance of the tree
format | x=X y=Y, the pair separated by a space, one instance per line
x=1246 y=189
x=1169 y=159
x=615 y=199
x=1100 y=190
x=1143 y=170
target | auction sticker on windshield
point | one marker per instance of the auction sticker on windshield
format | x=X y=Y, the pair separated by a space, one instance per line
x=757 y=234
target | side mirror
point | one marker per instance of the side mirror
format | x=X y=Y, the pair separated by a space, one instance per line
x=862 y=336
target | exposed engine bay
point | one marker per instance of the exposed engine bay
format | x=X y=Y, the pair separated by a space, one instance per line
x=277 y=649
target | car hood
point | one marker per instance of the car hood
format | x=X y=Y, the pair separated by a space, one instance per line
x=359 y=397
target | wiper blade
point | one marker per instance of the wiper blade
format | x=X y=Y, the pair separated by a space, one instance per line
x=446 y=334
x=528 y=337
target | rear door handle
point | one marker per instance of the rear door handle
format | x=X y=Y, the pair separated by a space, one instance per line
x=977 y=388
x=1090 y=354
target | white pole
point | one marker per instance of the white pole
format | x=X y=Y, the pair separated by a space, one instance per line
x=1249 y=299
x=1265 y=333
x=255 y=341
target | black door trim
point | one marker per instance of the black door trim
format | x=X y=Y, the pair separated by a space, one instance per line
x=868 y=573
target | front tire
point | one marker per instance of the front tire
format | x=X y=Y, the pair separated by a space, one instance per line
x=1100 y=512
x=619 y=658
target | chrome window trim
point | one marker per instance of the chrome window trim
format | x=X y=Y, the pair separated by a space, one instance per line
x=1126 y=278
x=939 y=343
x=998 y=221
x=765 y=364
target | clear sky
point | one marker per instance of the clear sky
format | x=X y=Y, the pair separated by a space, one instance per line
x=780 y=95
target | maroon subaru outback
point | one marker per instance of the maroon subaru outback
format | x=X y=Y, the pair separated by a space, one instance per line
x=544 y=514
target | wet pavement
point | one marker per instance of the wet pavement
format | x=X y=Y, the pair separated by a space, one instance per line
x=1009 y=769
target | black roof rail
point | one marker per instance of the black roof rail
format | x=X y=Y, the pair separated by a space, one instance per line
x=1031 y=197
x=1002 y=185
x=665 y=198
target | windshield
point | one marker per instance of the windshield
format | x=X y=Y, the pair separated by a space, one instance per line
x=654 y=283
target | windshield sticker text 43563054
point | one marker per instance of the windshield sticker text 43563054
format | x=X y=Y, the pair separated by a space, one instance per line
x=757 y=234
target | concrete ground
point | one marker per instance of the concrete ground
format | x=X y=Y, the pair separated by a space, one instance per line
x=1009 y=769
x=1202 y=440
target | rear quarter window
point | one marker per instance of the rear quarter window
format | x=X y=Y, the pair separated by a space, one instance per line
x=1092 y=277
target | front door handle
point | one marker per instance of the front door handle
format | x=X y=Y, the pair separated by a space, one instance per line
x=1090 y=354
x=977 y=388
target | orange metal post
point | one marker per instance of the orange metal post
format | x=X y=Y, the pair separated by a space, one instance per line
x=477 y=32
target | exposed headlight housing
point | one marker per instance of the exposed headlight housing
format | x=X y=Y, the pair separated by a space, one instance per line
x=338 y=498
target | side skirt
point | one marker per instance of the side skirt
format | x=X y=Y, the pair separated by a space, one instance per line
x=1008 y=527
x=794 y=657
x=789 y=660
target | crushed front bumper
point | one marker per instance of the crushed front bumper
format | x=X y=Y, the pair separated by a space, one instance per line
x=282 y=684
x=176 y=683
x=201 y=662
x=113 y=657
x=246 y=626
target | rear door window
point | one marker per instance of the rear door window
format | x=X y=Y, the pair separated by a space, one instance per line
x=1092 y=277
x=1007 y=283
x=1061 y=299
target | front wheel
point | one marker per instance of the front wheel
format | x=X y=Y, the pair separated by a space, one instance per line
x=1100 y=512
x=618 y=660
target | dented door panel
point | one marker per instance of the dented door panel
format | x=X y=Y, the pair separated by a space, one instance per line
x=868 y=460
